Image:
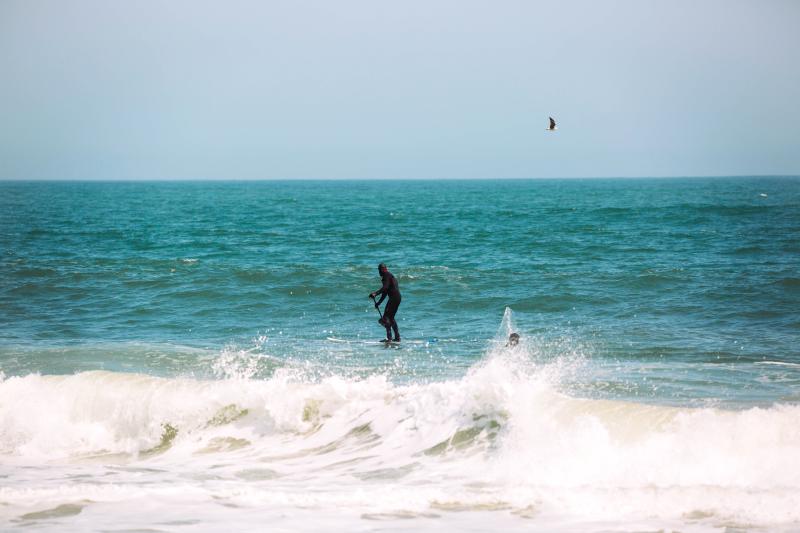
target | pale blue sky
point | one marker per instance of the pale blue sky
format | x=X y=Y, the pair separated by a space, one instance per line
x=94 y=89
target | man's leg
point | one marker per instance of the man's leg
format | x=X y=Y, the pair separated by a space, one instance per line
x=391 y=309
x=387 y=320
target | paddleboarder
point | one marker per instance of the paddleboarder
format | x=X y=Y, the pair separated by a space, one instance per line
x=391 y=289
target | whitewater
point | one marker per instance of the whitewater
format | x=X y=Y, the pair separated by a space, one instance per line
x=501 y=446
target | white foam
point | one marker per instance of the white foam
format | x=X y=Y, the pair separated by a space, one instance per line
x=778 y=363
x=503 y=437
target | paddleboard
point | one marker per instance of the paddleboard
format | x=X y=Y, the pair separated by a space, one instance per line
x=379 y=342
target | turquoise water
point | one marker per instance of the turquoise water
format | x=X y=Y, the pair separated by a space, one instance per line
x=695 y=280
x=206 y=350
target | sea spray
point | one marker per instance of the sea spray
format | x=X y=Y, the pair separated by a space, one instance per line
x=505 y=431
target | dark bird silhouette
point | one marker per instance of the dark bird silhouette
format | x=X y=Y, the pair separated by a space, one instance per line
x=552 y=125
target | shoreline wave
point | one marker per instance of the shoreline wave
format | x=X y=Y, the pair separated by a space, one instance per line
x=501 y=439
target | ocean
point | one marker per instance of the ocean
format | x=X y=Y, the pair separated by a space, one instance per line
x=203 y=356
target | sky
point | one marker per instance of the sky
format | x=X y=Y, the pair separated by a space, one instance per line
x=240 y=89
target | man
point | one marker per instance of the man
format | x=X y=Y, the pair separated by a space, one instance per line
x=391 y=289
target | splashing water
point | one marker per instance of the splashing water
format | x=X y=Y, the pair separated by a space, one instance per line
x=504 y=438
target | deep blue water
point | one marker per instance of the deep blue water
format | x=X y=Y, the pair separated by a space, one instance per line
x=664 y=290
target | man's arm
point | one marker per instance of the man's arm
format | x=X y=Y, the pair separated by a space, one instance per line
x=383 y=295
x=383 y=291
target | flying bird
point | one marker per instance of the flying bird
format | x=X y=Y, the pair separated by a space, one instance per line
x=552 y=125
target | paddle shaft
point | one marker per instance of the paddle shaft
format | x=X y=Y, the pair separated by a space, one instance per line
x=376 y=307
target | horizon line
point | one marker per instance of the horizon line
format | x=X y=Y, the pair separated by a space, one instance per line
x=254 y=180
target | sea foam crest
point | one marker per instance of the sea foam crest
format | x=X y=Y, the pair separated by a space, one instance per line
x=511 y=414
x=505 y=424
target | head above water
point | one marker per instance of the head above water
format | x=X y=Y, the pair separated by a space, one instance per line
x=382 y=268
x=513 y=339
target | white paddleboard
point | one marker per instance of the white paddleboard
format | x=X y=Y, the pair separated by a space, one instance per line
x=377 y=342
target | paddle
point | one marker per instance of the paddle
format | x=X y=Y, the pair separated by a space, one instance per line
x=379 y=310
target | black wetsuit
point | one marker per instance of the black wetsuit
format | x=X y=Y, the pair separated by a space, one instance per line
x=391 y=289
